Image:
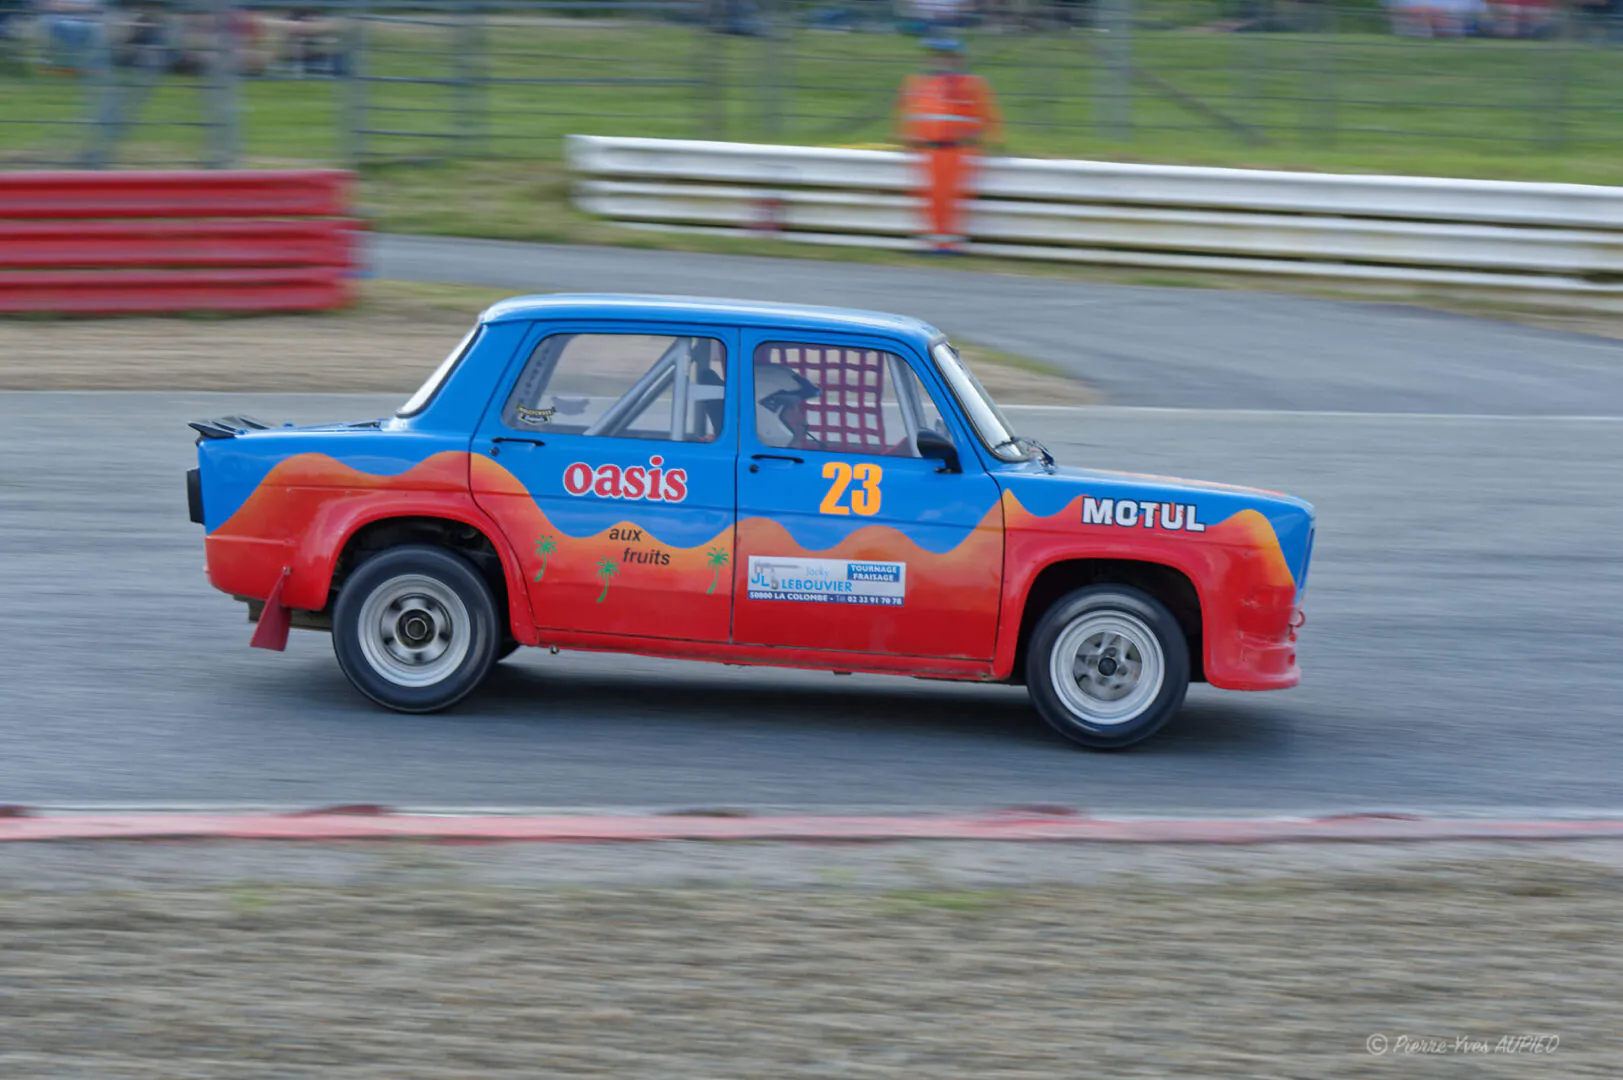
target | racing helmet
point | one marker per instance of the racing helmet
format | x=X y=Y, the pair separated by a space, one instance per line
x=780 y=400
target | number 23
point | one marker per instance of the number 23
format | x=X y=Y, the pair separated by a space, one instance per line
x=864 y=500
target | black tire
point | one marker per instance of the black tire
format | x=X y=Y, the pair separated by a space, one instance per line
x=433 y=645
x=1139 y=637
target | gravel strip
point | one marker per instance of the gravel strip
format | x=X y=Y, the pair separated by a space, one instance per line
x=407 y=961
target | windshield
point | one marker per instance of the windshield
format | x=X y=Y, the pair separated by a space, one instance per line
x=426 y=392
x=988 y=420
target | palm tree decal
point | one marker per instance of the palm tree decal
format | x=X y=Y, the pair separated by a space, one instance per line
x=606 y=569
x=544 y=546
x=715 y=558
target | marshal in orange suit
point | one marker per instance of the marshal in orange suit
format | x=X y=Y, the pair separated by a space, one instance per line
x=944 y=116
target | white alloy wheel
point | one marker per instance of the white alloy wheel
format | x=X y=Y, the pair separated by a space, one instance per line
x=1107 y=667
x=414 y=630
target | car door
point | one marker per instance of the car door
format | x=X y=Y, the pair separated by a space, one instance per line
x=847 y=538
x=608 y=459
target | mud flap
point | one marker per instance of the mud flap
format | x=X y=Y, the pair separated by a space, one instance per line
x=274 y=621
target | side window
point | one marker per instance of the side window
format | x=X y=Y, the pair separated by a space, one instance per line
x=843 y=401
x=628 y=386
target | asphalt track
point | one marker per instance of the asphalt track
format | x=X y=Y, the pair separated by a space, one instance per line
x=1465 y=608
x=1462 y=650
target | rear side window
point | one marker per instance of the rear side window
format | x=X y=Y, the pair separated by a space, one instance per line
x=626 y=386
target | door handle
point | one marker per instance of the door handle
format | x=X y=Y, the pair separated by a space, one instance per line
x=790 y=458
x=495 y=443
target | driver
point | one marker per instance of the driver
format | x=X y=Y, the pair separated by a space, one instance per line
x=780 y=407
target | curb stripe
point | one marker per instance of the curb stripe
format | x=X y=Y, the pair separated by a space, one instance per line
x=366 y=824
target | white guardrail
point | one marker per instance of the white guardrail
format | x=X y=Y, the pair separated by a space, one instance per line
x=1544 y=238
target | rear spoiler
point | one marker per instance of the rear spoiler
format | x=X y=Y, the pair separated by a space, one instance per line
x=226 y=427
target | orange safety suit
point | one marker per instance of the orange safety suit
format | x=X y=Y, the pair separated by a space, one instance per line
x=943 y=116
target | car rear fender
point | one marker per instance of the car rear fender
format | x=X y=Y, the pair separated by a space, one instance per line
x=315 y=557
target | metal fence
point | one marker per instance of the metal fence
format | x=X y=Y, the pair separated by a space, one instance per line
x=217 y=82
x=1542 y=243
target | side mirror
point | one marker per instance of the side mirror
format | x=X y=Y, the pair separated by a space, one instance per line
x=933 y=444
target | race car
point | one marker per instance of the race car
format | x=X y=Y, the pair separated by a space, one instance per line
x=747 y=483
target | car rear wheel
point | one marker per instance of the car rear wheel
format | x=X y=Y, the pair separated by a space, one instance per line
x=1107 y=666
x=415 y=628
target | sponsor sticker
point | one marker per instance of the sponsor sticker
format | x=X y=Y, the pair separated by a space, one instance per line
x=827 y=581
x=1131 y=513
x=656 y=482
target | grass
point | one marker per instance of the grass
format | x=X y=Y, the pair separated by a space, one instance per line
x=1358 y=100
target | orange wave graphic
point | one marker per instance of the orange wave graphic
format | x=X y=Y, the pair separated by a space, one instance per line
x=608 y=584
x=1246 y=533
x=1249 y=530
x=291 y=494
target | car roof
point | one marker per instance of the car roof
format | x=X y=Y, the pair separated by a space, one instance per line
x=592 y=306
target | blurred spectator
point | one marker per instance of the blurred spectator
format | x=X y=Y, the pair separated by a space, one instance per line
x=1438 y=18
x=853 y=15
x=1072 y=12
x=314 y=43
x=741 y=17
x=145 y=42
x=12 y=13
x=1521 y=18
x=250 y=42
x=197 y=44
x=1493 y=18
x=1600 y=20
x=941 y=16
x=158 y=38
x=73 y=29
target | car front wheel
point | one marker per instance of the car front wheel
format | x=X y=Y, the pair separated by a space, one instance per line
x=415 y=628
x=1107 y=666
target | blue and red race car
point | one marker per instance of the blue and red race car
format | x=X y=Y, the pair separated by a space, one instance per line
x=749 y=483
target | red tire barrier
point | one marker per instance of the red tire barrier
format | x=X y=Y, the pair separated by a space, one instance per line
x=116 y=243
x=158 y=292
x=131 y=194
x=47 y=245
